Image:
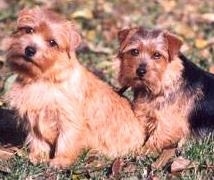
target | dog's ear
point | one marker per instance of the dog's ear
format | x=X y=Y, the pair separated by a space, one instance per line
x=28 y=16
x=75 y=40
x=122 y=34
x=174 y=44
x=23 y=17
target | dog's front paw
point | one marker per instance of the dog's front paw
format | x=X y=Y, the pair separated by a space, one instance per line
x=60 y=163
x=39 y=157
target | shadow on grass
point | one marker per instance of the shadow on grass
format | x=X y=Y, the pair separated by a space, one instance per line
x=11 y=132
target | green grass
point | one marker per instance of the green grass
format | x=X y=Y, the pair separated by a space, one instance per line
x=132 y=13
x=201 y=152
x=98 y=167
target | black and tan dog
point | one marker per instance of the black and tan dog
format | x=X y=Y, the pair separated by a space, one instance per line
x=176 y=95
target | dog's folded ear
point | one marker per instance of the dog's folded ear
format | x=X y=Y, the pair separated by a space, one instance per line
x=74 y=38
x=125 y=35
x=28 y=16
x=122 y=34
x=174 y=44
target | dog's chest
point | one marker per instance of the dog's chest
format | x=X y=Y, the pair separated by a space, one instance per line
x=174 y=108
x=35 y=97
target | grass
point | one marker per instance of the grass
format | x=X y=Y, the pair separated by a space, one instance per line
x=201 y=152
x=132 y=13
x=90 y=166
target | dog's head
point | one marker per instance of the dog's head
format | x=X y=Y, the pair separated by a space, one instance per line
x=144 y=56
x=42 y=41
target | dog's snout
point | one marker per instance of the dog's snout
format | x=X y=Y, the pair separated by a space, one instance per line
x=141 y=70
x=30 y=51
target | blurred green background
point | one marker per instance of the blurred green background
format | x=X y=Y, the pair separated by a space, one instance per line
x=100 y=20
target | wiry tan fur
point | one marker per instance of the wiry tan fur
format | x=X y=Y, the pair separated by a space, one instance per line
x=66 y=108
x=159 y=101
x=166 y=118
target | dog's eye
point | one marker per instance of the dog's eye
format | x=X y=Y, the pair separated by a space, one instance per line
x=27 y=30
x=52 y=43
x=156 y=55
x=134 y=52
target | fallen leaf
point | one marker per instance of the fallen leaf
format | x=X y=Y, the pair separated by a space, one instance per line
x=83 y=13
x=3 y=5
x=76 y=177
x=180 y=164
x=130 y=168
x=99 y=48
x=191 y=8
x=208 y=17
x=164 y=158
x=108 y=7
x=155 y=178
x=185 y=47
x=91 y=35
x=184 y=30
x=117 y=167
x=211 y=41
x=168 y=5
x=90 y=159
x=6 y=153
x=201 y=43
x=204 y=53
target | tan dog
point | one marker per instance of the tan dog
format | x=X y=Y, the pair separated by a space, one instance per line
x=66 y=108
x=172 y=96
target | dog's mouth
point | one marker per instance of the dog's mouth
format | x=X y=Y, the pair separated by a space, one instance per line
x=20 y=63
x=140 y=82
x=30 y=60
x=17 y=59
x=138 y=78
x=149 y=88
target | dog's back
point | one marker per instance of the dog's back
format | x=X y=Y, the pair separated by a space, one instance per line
x=201 y=118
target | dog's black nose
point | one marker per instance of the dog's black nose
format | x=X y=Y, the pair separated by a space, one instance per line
x=141 y=70
x=30 y=51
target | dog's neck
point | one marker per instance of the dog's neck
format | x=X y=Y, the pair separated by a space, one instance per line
x=172 y=77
